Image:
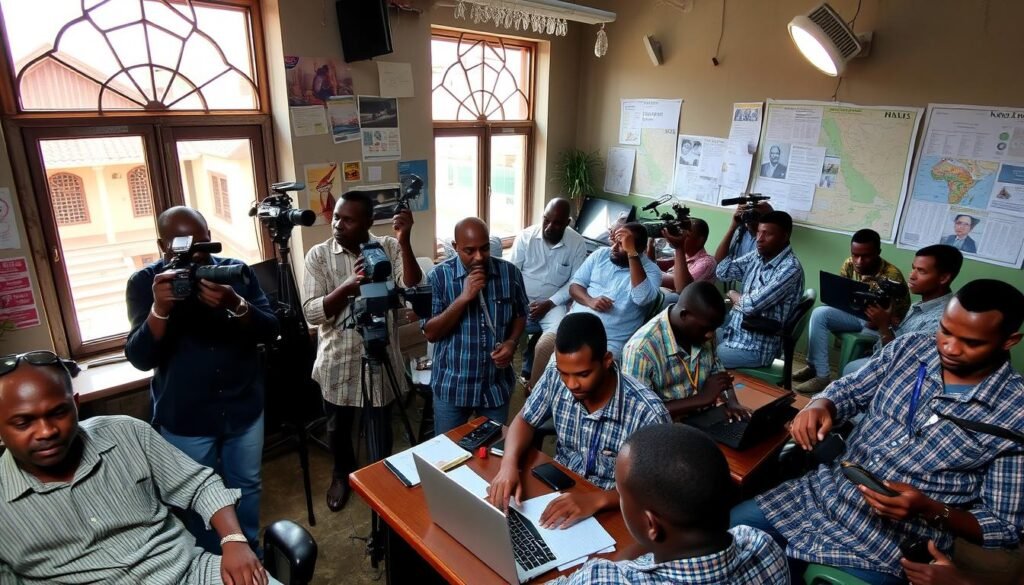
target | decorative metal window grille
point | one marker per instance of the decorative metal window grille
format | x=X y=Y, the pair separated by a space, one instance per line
x=139 y=192
x=480 y=79
x=68 y=196
x=221 y=198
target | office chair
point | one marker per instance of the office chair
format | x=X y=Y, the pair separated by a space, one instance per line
x=853 y=346
x=289 y=553
x=780 y=372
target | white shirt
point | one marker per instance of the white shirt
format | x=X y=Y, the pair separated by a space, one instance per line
x=547 y=269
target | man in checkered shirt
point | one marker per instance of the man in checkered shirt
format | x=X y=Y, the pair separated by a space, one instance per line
x=916 y=397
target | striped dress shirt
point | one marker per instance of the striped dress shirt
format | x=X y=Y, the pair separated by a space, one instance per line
x=825 y=518
x=112 y=523
x=588 y=442
x=751 y=558
x=464 y=373
x=771 y=289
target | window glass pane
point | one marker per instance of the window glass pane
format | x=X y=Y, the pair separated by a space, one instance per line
x=217 y=179
x=508 y=183
x=476 y=79
x=101 y=200
x=456 y=181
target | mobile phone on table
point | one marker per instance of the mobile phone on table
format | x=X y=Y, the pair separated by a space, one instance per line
x=861 y=476
x=498 y=448
x=915 y=550
x=554 y=477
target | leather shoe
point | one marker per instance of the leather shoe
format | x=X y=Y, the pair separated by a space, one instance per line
x=803 y=374
x=338 y=494
x=812 y=386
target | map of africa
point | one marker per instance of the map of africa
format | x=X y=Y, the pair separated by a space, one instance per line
x=655 y=158
x=955 y=181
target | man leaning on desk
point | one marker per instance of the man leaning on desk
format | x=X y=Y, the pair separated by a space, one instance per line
x=594 y=407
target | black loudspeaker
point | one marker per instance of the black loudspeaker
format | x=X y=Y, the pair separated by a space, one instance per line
x=365 y=29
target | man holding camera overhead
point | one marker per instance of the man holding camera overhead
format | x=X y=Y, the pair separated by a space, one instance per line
x=200 y=339
x=334 y=272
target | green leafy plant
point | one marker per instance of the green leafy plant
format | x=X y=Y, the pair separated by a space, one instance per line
x=575 y=173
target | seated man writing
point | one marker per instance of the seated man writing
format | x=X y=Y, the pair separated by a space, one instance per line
x=594 y=408
x=674 y=486
x=918 y=397
x=674 y=353
x=865 y=264
x=931 y=276
x=90 y=502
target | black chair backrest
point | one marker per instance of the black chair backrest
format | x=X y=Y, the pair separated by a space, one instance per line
x=791 y=332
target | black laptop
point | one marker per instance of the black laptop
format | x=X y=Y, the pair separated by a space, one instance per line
x=838 y=292
x=741 y=435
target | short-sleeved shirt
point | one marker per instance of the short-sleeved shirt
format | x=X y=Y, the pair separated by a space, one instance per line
x=701 y=266
x=547 y=268
x=588 y=442
x=922 y=317
x=885 y=270
x=655 y=358
x=751 y=558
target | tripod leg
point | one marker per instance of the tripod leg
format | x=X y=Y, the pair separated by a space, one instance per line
x=304 y=463
x=398 y=401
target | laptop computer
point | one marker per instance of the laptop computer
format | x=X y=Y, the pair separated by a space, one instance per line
x=741 y=435
x=510 y=545
x=595 y=217
x=837 y=292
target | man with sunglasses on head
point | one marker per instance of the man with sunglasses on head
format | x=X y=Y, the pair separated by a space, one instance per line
x=91 y=502
x=207 y=388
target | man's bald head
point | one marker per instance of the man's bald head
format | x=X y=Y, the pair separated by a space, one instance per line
x=473 y=242
x=557 y=216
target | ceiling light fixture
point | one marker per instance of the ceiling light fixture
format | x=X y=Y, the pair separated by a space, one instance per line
x=824 y=39
x=539 y=16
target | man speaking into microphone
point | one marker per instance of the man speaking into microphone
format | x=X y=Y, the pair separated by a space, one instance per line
x=479 y=313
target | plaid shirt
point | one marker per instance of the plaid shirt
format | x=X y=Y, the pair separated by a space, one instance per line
x=922 y=317
x=771 y=289
x=885 y=270
x=976 y=472
x=589 y=442
x=464 y=373
x=752 y=557
x=654 y=357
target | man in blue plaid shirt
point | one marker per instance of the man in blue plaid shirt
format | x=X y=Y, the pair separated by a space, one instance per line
x=919 y=397
x=674 y=484
x=594 y=407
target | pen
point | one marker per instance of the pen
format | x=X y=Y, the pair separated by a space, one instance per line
x=450 y=465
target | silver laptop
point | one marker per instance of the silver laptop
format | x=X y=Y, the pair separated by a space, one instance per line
x=510 y=545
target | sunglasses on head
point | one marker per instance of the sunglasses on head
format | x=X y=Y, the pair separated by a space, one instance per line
x=10 y=362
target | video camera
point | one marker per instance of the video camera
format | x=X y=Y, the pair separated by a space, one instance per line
x=675 y=222
x=187 y=273
x=378 y=295
x=882 y=293
x=276 y=211
x=748 y=203
x=412 y=187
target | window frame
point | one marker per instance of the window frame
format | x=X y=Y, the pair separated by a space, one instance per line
x=83 y=203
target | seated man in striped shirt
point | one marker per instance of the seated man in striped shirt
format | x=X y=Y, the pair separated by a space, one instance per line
x=674 y=484
x=923 y=399
x=594 y=408
x=90 y=502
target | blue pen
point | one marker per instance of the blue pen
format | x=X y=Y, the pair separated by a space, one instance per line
x=922 y=370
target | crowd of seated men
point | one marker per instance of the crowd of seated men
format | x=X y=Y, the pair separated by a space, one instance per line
x=936 y=409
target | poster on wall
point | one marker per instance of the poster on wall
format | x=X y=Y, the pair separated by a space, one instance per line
x=698 y=168
x=618 y=174
x=322 y=189
x=385 y=197
x=344 y=118
x=968 y=184
x=408 y=171
x=636 y=115
x=313 y=80
x=378 y=122
x=9 y=238
x=17 y=302
x=353 y=171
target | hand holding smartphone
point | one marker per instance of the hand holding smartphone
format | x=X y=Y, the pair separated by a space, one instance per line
x=861 y=476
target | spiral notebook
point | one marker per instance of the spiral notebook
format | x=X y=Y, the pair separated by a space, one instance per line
x=439 y=451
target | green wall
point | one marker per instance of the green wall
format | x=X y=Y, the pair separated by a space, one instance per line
x=819 y=250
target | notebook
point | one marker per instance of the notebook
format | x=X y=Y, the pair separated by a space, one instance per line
x=439 y=451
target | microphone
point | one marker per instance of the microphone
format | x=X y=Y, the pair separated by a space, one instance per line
x=654 y=204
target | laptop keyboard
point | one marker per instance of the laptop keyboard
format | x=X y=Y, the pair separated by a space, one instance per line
x=728 y=431
x=529 y=548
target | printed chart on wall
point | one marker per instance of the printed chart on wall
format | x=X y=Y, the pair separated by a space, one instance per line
x=651 y=125
x=968 y=184
x=838 y=167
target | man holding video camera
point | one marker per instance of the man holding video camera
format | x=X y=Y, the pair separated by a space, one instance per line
x=741 y=237
x=333 y=275
x=200 y=339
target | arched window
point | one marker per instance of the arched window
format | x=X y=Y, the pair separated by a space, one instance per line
x=68 y=196
x=139 y=192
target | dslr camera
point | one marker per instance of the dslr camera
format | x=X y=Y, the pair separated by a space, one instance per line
x=748 y=206
x=187 y=273
x=881 y=293
x=676 y=222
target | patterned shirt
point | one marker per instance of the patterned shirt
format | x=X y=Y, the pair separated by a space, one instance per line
x=885 y=270
x=751 y=558
x=979 y=473
x=588 y=442
x=603 y=278
x=771 y=289
x=547 y=269
x=701 y=266
x=464 y=373
x=339 y=349
x=922 y=317
x=654 y=357
x=112 y=523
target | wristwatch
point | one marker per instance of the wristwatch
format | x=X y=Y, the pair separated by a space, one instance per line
x=240 y=310
x=940 y=519
x=634 y=255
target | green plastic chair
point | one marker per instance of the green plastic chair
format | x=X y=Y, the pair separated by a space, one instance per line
x=825 y=575
x=780 y=371
x=854 y=346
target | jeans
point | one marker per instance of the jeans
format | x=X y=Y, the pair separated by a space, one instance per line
x=447 y=416
x=855 y=365
x=733 y=357
x=236 y=458
x=825 y=320
x=748 y=513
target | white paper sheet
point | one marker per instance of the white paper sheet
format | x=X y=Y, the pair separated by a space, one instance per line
x=395 y=79
x=9 y=238
x=437 y=451
x=618 y=173
x=309 y=120
x=637 y=114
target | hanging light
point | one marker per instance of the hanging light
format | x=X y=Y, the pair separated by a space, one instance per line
x=601 y=46
x=541 y=16
x=824 y=39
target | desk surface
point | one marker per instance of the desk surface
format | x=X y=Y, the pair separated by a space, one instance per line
x=405 y=511
x=753 y=394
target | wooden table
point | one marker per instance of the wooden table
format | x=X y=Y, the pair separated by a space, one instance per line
x=404 y=511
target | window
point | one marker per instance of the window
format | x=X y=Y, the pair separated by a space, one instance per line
x=139 y=193
x=482 y=104
x=68 y=196
x=164 y=96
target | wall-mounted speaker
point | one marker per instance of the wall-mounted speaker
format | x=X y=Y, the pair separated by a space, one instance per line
x=653 y=49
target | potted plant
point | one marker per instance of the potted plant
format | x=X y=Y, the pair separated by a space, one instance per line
x=575 y=173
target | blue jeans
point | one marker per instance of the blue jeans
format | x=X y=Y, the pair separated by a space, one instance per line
x=855 y=365
x=447 y=416
x=236 y=458
x=732 y=357
x=749 y=514
x=825 y=320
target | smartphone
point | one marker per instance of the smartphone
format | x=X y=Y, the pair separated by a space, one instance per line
x=861 y=476
x=827 y=451
x=553 y=476
x=916 y=550
x=498 y=448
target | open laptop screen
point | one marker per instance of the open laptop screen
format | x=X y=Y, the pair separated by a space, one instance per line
x=597 y=214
